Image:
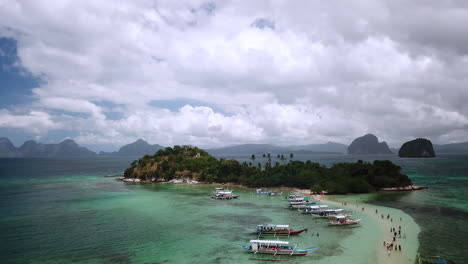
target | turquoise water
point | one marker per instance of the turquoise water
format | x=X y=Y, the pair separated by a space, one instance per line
x=63 y=211
x=66 y=212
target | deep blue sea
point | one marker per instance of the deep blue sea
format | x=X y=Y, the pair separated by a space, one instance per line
x=47 y=207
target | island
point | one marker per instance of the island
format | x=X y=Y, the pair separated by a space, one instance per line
x=368 y=144
x=192 y=164
x=418 y=148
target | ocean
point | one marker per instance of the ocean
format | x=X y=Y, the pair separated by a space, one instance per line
x=66 y=211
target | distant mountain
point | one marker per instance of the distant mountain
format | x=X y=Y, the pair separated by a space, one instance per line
x=325 y=147
x=137 y=148
x=7 y=149
x=453 y=148
x=418 y=148
x=30 y=148
x=368 y=144
x=249 y=149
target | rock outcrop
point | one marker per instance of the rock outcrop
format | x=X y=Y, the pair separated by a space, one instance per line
x=418 y=148
x=368 y=144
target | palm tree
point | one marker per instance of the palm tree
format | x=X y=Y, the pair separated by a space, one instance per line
x=252 y=158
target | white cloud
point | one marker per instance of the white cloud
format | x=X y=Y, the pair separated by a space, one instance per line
x=33 y=121
x=315 y=73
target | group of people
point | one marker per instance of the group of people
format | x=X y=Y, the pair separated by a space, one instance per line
x=390 y=246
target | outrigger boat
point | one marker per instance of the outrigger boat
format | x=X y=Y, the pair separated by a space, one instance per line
x=328 y=214
x=317 y=209
x=301 y=204
x=296 y=197
x=275 y=247
x=266 y=192
x=433 y=260
x=343 y=220
x=263 y=192
x=277 y=230
x=223 y=194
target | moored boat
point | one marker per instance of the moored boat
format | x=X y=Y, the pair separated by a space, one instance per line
x=301 y=204
x=220 y=193
x=296 y=197
x=277 y=230
x=342 y=220
x=317 y=209
x=275 y=247
x=263 y=192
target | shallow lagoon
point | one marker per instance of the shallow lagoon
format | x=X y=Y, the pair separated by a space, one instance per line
x=58 y=211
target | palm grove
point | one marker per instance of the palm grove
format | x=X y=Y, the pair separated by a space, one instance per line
x=197 y=164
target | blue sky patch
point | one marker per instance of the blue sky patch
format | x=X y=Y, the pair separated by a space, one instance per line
x=15 y=82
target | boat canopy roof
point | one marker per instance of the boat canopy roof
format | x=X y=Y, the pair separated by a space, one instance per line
x=340 y=216
x=278 y=226
x=275 y=242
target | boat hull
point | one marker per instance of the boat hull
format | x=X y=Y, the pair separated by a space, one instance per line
x=282 y=233
x=280 y=252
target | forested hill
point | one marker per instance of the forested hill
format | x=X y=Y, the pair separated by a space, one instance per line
x=195 y=163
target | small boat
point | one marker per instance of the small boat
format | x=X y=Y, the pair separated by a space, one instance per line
x=222 y=190
x=343 y=220
x=224 y=196
x=275 y=247
x=277 y=230
x=433 y=260
x=295 y=197
x=276 y=193
x=329 y=214
x=317 y=209
x=301 y=204
x=263 y=192
x=220 y=193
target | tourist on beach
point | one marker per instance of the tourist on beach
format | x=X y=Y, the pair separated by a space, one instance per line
x=399 y=247
x=376 y=211
x=388 y=216
x=318 y=234
x=394 y=239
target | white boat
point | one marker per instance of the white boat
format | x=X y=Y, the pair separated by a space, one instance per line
x=343 y=220
x=317 y=209
x=295 y=197
x=275 y=247
x=220 y=193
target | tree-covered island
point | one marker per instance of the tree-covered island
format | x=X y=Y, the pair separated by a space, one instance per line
x=194 y=163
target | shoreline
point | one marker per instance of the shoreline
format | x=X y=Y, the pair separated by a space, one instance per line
x=365 y=245
x=409 y=229
x=195 y=182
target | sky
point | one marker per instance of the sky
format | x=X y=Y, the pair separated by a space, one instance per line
x=106 y=73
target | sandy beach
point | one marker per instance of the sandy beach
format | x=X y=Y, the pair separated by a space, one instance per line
x=366 y=245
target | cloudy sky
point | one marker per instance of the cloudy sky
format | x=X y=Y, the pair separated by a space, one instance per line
x=106 y=73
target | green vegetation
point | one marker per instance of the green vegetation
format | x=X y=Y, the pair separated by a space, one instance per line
x=197 y=164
